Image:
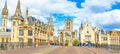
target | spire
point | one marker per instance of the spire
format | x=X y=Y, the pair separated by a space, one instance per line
x=26 y=13
x=18 y=9
x=5 y=10
x=81 y=25
x=51 y=19
x=26 y=22
x=5 y=7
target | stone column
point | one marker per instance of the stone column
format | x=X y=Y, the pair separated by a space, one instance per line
x=25 y=37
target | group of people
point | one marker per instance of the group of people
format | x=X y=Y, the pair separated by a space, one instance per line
x=97 y=44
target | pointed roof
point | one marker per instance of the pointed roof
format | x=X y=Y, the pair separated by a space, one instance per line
x=5 y=7
x=26 y=21
x=81 y=26
x=17 y=13
x=50 y=20
x=18 y=9
x=5 y=10
x=27 y=13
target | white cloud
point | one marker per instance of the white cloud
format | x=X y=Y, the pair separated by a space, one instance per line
x=98 y=5
x=117 y=29
x=41 y=9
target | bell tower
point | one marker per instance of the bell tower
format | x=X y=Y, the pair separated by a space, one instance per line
x=50 y=29
x=4 y=17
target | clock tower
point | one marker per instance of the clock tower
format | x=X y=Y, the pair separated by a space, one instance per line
x=4 y=17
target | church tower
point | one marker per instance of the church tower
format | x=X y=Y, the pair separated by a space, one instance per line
x=15 y=21
x=4 y=17
x=69 y=25
x=50 y=29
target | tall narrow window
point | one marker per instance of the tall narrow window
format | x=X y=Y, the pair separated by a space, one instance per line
x=13 y=23
x=29 y=32
x=2 y=39
x=7 y=40
x=21 y=32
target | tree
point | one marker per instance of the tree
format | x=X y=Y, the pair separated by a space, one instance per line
x=76 y=42
x=66 y=43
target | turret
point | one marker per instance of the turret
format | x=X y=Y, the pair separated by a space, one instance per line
x=4 y=17
x=26 y=19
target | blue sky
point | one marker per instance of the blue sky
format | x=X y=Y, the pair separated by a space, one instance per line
x=102 y=13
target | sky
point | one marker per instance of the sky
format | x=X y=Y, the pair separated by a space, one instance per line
x=102 y=13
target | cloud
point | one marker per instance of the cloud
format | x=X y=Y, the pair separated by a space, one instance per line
x=98 y=5
x=94 y=10
x=117 y=29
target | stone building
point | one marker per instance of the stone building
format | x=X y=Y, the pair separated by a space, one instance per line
x=94 y=35
x=67 y=34
x=114 y=37
x=4 y=34
x=50 y=30
x=26 y=31
x=89 y=34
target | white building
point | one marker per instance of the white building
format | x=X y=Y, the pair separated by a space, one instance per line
x=89 y=34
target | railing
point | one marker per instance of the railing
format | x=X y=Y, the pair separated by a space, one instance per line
x=11 y=46
x=112 y=48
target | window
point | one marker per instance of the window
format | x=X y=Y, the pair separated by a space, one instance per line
x=88 y=37
x=105 y=39
x=114 y=34
x=13 y=23
x=87 y=31
x=4 y=24
x=21 y=32
x=3 y=29
x=7 y=40
x=2 y=39
x=29 y=32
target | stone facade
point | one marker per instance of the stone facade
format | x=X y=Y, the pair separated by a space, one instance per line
x=114 y=37
x=67 y=34
x=89 y=34
x=27 y=30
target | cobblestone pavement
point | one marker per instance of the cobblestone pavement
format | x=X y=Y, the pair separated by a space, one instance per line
x=81 y=50
x=45 y=50
x=59 y=50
